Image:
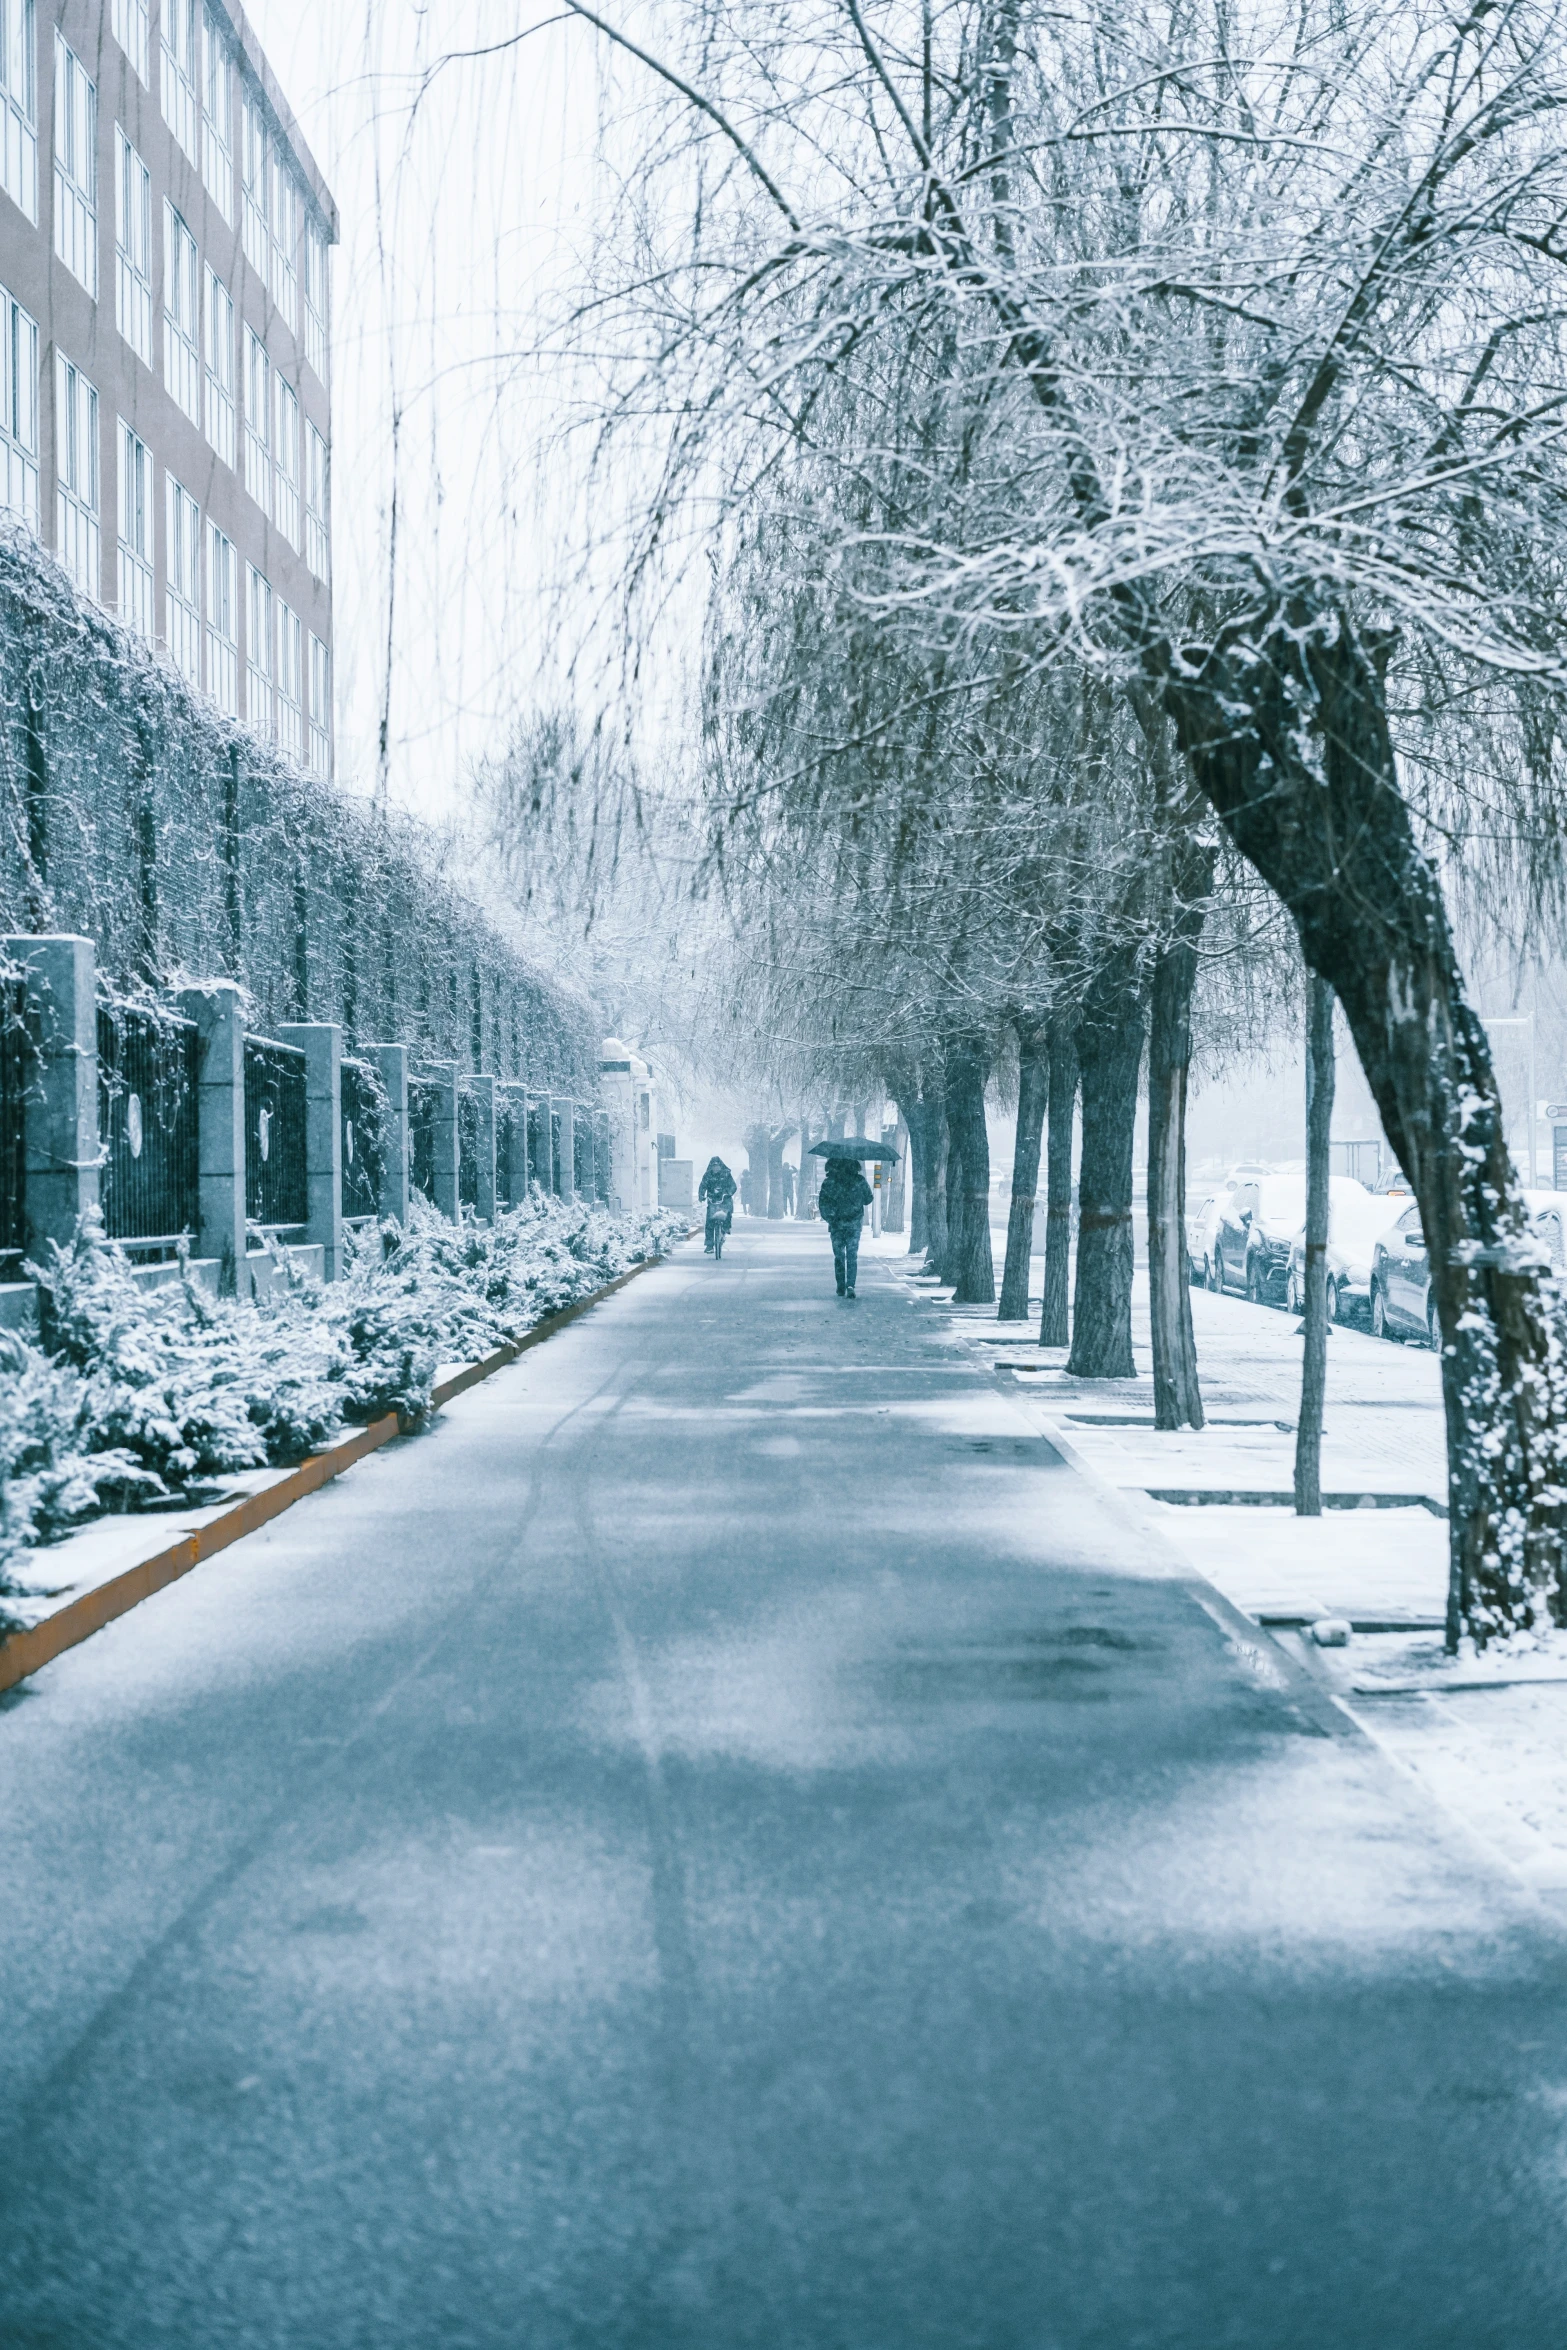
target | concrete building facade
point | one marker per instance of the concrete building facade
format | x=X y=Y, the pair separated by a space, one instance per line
x=164 y=338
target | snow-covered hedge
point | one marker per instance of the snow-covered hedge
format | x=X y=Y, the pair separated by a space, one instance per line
x=145 y=1395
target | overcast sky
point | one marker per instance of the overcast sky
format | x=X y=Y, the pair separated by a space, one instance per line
x=459 y=216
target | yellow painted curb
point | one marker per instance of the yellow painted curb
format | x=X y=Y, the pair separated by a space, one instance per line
x=25 y=1652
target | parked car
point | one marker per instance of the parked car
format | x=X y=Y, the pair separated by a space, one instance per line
x=1202 y=1227
x=1401 y=1302
x=1201 y=1224
x=1357 y=1219
x=1256 y=1226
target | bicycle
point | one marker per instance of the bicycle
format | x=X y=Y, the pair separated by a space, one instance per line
x=717 y=1226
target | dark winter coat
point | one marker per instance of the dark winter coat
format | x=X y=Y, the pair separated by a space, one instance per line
x=845 y=1194
x=717 y=1184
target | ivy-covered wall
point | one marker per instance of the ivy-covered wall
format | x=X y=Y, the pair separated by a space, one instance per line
x=137 y=816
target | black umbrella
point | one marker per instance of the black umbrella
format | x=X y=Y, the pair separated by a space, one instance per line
x=853 y=1146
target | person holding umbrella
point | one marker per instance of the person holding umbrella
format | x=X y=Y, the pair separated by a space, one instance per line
x=844 y=1197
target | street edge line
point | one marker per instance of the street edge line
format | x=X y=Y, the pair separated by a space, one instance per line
x=24 y=1653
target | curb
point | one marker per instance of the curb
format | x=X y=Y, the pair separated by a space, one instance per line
x=25 y=1652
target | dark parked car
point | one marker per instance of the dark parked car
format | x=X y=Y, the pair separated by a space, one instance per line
x=1252 y=1243
x=1401 y=1302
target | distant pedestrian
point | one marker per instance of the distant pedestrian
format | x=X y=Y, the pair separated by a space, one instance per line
x=788 y=1183
x=842 y=1201
x=745 y=1191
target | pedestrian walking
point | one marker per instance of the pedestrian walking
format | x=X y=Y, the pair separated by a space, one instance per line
x=717 y=1187
x=842 y=1201
x=745 y=1191
x=788 y=1188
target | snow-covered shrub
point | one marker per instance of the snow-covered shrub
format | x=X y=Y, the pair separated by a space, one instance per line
x=138 y=1396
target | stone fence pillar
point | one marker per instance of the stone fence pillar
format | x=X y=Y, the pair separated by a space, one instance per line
x=391 y=1060
x=60 y=1112
x=220 y=1129
x=322 y=1044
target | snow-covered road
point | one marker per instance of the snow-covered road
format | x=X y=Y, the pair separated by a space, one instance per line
x=731 y=1842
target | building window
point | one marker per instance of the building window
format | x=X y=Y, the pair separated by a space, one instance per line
x=316 y=548
x=222 y=621
x=316 y=249
x=220 y=367
x=253 y=184
x=180 y=110
x=290 y=696
x=76 y=474
x=320 y=709
x=258 y=402
x=18 y=411
x=130 y=30
x=181 y=315
x=217 y=114
x=258 y=651
x=75 y=168
x=182 y=571
x=136 y=588
x=286 y=514
x=19 y=85
x=285 y=240
x=133 y=248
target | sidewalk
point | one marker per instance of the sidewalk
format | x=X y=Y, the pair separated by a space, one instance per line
x=1384 y=1444
x=1494 y=1756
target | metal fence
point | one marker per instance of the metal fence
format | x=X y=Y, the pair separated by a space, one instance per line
x=467 y=1147
x=276 y=1193
x=424 y=1107
x=508 y=1117
x=149 y=1066
x=16 y=1075
x=365 y=1109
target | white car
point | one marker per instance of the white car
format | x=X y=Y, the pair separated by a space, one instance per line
x=1202 y=1222
x=1357 y=1219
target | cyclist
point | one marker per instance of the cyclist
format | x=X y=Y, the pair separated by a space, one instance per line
x=717 y=1187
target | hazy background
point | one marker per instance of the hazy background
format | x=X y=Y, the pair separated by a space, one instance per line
x=469 y=195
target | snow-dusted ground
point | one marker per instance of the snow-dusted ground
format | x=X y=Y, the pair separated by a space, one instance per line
x=1487 y=1737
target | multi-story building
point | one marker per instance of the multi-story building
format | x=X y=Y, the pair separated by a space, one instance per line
x=164 y=327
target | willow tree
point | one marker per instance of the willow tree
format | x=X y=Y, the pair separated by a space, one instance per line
x=1273 y=302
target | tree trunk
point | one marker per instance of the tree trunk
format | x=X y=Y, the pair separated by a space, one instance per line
x=1033 y=1091
x=1319 y=1165
x=776 y=1144
x=1054 y=1322
x=957 y=1198
x=898 y=1178
x=936 y=1205
x=756 y=1169
x=917 y=1118
x=1336 y=842
x=1177 y=1397
x=973 y=1266
x=1109 y=1055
